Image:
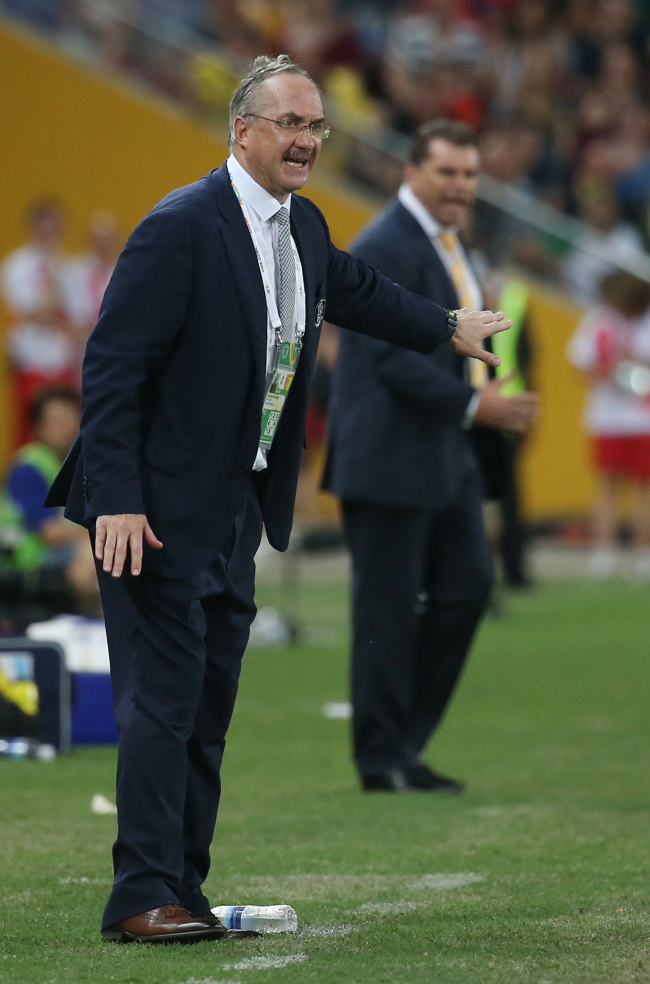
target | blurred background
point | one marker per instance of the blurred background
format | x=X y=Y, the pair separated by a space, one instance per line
x=110 y=103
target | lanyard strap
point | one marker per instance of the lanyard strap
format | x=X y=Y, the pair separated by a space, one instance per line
x=271 y=301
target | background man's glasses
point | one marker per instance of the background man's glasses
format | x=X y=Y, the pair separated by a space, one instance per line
x=319 y=131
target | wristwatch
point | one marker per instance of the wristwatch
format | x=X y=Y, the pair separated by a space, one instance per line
x=452 y=322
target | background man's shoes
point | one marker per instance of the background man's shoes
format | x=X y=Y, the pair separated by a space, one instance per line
x=386 y=781
x=166 y=924
x=423 y=779
x=232 y=934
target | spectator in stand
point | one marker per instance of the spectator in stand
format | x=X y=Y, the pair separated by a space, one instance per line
x=46 y=14
x=86 y=278
x=612 y=346
x=39 y=545
x=41 y=345
x=318 y=37
x=598 y=251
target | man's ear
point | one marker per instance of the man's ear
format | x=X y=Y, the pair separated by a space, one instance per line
x=241 y=126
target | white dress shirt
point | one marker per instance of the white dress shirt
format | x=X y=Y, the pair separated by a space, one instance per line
x=260 y=207
x=432 y=228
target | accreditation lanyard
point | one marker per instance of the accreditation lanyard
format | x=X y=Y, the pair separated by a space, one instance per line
x=282 y=371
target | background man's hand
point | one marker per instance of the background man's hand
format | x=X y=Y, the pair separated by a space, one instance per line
x=472 y=330
x=116 y=533
x=516 y=414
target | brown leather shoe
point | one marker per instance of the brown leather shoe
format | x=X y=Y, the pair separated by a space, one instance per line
x=167 y=924
x=232 y=934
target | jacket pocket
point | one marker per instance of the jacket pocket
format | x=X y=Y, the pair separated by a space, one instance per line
x=166 y=457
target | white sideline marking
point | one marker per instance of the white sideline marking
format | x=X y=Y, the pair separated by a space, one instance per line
x=389 y=908
x=338 y=710
x=326 y=930
x=440 y=882
x=265 y=963
x=349 y=887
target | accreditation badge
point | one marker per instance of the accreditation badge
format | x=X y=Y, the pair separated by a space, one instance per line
x=278 y=391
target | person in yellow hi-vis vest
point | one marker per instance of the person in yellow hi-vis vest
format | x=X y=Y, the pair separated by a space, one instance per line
x=42 y=553
x=515 y=354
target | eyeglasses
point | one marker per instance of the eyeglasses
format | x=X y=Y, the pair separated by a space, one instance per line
x=319 y=130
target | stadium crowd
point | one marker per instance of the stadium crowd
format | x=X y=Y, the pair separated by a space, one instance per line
x=558 y=88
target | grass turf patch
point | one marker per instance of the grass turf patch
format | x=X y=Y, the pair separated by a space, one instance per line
x=538 y=874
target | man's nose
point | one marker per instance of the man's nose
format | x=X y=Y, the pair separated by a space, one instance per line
x=305 y=139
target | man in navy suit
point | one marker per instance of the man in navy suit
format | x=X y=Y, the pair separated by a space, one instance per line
x=402 y=461
x=195 y=391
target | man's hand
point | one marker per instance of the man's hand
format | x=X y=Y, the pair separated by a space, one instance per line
x=116 y=533
x=472 y=330
x=516 y=414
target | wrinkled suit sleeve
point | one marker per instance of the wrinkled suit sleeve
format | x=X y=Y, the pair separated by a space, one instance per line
x=408 y=375
x=362 y=299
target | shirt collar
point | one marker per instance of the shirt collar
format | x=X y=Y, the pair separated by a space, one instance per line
x=420 y=212
x=253 y=194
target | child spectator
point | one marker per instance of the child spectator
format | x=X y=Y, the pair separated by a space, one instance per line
x=612 y=345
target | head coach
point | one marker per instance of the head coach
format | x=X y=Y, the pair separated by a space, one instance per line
x=195 y=390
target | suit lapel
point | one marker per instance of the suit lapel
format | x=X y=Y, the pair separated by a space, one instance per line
x=244 y=267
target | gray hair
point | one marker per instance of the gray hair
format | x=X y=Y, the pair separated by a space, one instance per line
x=263 y=68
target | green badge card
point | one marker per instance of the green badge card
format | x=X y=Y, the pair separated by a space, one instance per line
x=278 y=391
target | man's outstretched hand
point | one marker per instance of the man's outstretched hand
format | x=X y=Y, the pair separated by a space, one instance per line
x=472 y=330
x=117 y=533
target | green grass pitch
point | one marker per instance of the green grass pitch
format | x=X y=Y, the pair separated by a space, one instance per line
x=538 y=875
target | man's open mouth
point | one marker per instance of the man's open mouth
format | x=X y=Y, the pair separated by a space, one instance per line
x=295 y=163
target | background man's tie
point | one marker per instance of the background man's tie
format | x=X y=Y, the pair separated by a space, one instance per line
x=478 y=372
x=286 y=286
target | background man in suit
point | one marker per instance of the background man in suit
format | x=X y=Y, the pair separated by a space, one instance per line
x=214 y=307
x=401 y=459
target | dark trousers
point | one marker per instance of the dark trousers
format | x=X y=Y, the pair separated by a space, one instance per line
x=513 y=533
x=421 y=581
x=175 y=648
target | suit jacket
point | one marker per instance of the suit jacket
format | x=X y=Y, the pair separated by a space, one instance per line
x=173 y=377
x=395 y=434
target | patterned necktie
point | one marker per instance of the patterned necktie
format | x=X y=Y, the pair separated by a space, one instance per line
x=286 y=286
x=478 y=371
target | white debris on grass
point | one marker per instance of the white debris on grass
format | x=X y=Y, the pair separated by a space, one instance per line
x=208 y=980
x=338 y=710
x=84 y=881
x=101 y=805
x=265 y=963
x=439 y=882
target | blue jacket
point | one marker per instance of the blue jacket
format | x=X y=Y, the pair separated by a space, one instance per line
x=395 y=426
x=173 y=377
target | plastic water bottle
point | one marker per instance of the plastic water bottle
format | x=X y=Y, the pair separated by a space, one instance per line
x=263 y=918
